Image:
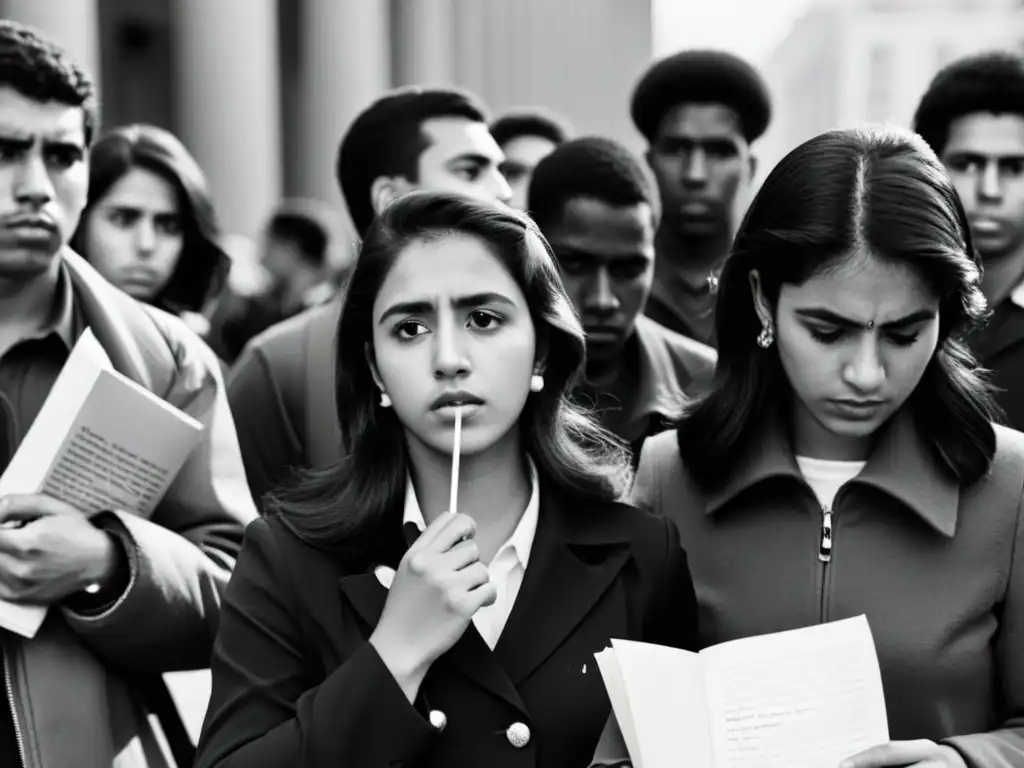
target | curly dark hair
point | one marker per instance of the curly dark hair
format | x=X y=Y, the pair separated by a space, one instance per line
x=532 y=121
x=590 y=166
x=992 y=81
x=39 y=69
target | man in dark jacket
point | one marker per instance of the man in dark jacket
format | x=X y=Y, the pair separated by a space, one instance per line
x=700 y=111
x=972 y=115
x=599 y=211
x=129 y=597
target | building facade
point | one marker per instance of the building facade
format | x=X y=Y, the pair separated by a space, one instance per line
x=849 y=62
x=262 y=90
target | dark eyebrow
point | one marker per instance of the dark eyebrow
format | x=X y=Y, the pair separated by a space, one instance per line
x=63 y=144
x=22 y=142
x=475 y=157
x=138 y=208
x=423 y=307
x=568 y=252
x=828 y=316
x=977 y=157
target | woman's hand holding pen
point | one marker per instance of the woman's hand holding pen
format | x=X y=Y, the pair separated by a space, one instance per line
x=438 y=586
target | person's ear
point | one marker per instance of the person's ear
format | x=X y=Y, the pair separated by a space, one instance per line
x=540 y=365
x=761 y=305
x=385 y=189
x=374 y=372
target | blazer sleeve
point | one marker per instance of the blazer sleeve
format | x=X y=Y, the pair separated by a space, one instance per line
x=672 y=614
x=1004 y=746
x=181 y=557
x=267 y=710
x=271 y=445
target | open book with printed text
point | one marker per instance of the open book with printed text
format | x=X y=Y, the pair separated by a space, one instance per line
x=100 y=442
x=806 y=698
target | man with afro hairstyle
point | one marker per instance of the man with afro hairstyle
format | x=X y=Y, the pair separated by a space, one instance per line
x=700 y=111
x=972 y=115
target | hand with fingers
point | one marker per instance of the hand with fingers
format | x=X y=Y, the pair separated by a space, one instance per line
x=438 y=586
x=49 y=550
x=913 y=754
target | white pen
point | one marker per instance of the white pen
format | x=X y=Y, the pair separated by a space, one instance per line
x=453 y=498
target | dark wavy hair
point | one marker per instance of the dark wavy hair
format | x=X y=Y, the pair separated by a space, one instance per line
x=387 y=139
x=594 y=167
x=991 y=81
x=203 y=267
x=37 y=67
x=883 y=191
x=356 y=505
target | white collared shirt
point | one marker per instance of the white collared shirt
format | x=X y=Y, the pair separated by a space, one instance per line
x=508 y=566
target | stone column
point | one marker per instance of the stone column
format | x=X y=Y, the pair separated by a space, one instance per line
x=345 y=65
x=73 y=25
x=229 y=102
x=424 y=40
x=578 y=58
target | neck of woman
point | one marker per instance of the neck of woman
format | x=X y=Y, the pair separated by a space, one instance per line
x=813 y=440
x=494 y=488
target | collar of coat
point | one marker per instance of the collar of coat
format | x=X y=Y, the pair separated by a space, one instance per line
x=900 y=466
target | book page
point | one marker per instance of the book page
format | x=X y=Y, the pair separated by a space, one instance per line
x=28 y=466
x=608 y=665
x=99 y=442
x=667 y=706
x=121 y=452
x=808 y=698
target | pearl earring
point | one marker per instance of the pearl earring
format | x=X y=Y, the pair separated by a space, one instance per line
x=385 y=401
x=536 y=383
x=766 y=336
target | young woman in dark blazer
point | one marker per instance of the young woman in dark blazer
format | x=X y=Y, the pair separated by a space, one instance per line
x=480 y=652
x=845 y=461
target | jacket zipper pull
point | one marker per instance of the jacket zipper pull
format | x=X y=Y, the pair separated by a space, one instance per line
x=825 y=548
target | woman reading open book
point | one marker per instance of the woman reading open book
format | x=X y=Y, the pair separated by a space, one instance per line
x=845 y=461
x=368 y=622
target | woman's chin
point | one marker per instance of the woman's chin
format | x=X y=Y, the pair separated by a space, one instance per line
x=476 y=440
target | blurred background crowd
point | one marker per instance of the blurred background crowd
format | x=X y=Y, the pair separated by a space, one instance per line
x=261 y=90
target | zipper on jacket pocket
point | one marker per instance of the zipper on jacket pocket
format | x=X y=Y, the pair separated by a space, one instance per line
x=9 y=685
x=825 y=546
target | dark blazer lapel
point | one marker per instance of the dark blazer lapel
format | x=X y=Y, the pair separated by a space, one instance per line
x=576 y=556
x=471 y=658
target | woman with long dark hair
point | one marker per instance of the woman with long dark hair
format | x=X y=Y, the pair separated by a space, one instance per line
x=149 y=224
x=367 y=625
x=845 y=460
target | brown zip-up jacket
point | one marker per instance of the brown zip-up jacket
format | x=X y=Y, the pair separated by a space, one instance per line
x=76 y=688
x=938 y=570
